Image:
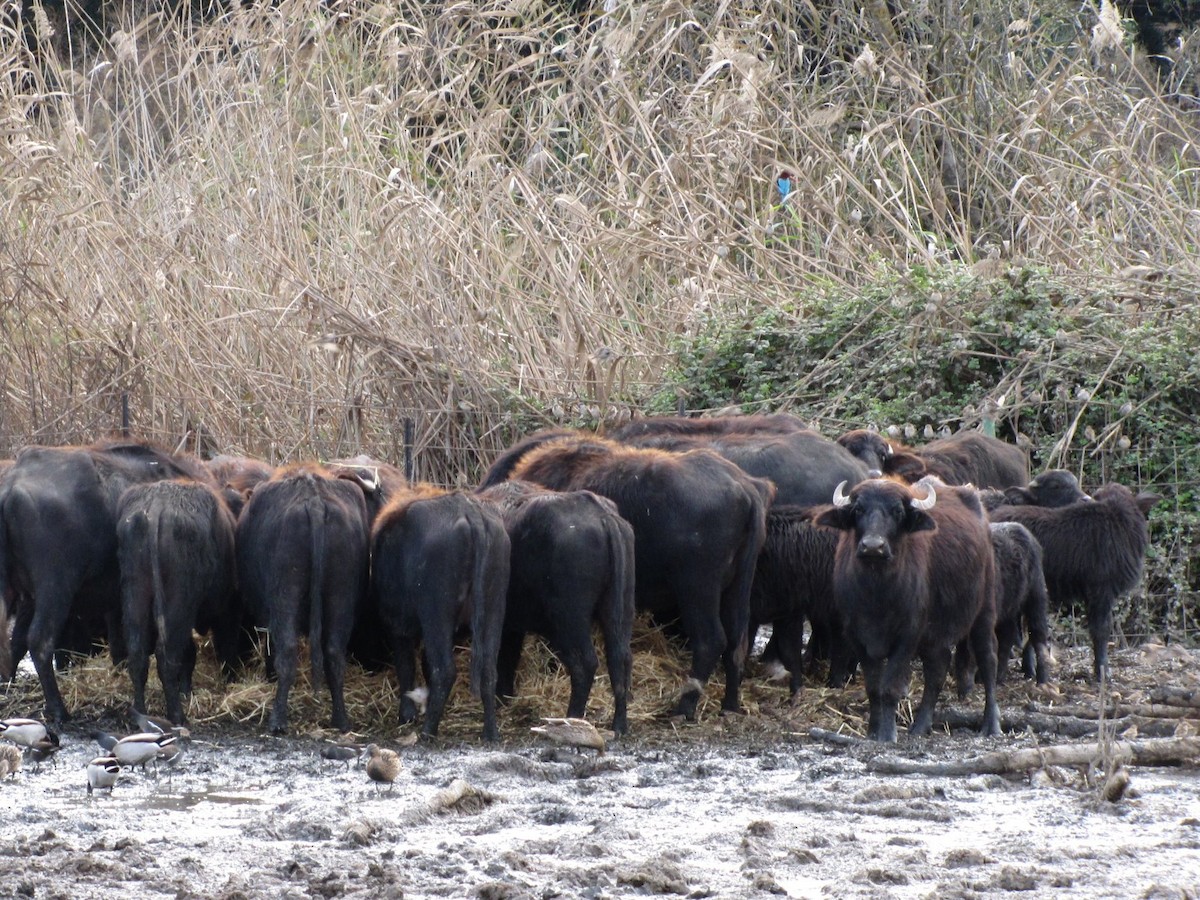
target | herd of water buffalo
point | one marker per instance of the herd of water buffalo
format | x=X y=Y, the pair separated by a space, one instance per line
x=948 y=553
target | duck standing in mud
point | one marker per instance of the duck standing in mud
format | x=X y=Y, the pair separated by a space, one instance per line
x=102 y=772
x=577 y=733
x=383 y=765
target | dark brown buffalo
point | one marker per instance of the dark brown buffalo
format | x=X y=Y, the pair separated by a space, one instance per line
x=1052 y=489
x=441 y=564
x=302 y=559
x=968 y=457
x=913 y=575
x=237 y=477
x=58 y=543
x=1092 y=552
x=710 y=426
x=698 y=523
x=176 y=557
x=572 y=566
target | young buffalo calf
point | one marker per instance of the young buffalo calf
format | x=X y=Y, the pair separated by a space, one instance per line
x=913 y=575
x=440 y=562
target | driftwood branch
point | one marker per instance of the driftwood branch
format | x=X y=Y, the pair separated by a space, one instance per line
x=1175 y=696
x=833 y=737
x=1170 y=752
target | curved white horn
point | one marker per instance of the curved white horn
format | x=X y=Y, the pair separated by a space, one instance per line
x=839 y=496
x=928 y=501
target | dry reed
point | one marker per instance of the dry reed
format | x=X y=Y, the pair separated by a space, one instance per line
x=280 y=230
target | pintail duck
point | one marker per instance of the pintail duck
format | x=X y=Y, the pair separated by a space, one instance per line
x=10 y=761
x=104 y=739
x=383 y=765
x=102 y=772
x=157 y=724
x=139 y=749
x=26 y=732
x=577 y=733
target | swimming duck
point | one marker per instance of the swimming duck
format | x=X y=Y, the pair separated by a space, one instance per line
x=26 y=732
x=10 y=761
x=383 y=765
x=571 y=733
x=102 y=772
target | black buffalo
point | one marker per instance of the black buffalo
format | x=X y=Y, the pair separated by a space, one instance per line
x=1092 y=551
x=58 y=544
x=1054 y=488
x=1021 y=600
x=967 y=457
x=698 y=522
x=175 y=553
x=440 y=563
x=913 y=575
x=572 y=566
x=302 y=559
x=793 y=581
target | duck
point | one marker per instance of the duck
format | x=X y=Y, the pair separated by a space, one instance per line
x=170 y=752
x=579 y=733
x=104 y=739
x=157 y=724
x=10 y=762
x=102 y=772
x=26 y=732
x=139 y=749
x=41 y=751
x=383 y=765
x=341 y=752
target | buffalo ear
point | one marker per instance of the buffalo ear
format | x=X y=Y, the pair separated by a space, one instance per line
x=919 y=520
x=905 y=465
x=835 y=517
x=1018 y=496
x=1146 y=501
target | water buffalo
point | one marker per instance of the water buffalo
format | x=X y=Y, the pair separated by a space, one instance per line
x=1092 y=551
x=572 y=566
x=237 y=477
x=913 y=575
x=698 y=523
x=175 y=554
x=793 y=581
x=967 y=457
x=302 y=560
x=440 y=562
x=58 y=542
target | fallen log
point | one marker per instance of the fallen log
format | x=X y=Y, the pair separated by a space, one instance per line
x=1165 y=752
x=1068 y=726
x=1175 y=696
x=1146 y=710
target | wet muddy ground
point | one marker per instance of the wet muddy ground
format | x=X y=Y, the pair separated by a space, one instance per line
x=728 y=808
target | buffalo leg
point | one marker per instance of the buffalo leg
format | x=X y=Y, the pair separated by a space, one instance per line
x=619 y=659
x=735 y=623
x=1100 y=613
x=574 y=648
x=439 y=676
x=285 y=645
x=789 y=634
x=335 y=676
x=507 y=663
x=404 y=658
x=983 y=642
x=138 y=661
x=172 y=660
x=936 y=663
x=49 y=619
x=706 y=638
x=881 y=720
x=20 y=635
x=964 y=677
